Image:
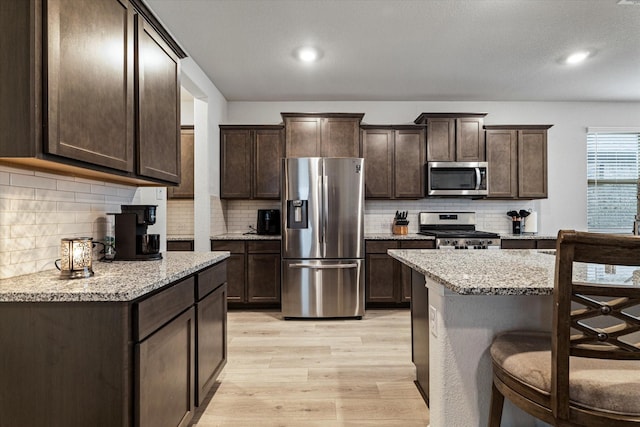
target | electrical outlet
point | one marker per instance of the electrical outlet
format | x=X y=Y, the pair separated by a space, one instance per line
x=433 y=320
x=160 y=192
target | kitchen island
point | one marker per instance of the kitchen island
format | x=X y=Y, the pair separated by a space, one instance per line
x=472 y=295
x=139 y=343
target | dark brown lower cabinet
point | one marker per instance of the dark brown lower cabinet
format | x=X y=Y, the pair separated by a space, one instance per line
x=420 y=332
x=388 y=282
x=165 y=365
x=211 y=324
x=137 y=363
x=263 y=278
x=66 y=364
x=180 y=245
x=253 y=272
x=212 y=339
x=528 y=244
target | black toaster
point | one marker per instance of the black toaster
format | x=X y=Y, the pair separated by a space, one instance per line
x=268 y=221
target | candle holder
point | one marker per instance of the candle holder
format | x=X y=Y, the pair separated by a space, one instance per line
x=76 y=255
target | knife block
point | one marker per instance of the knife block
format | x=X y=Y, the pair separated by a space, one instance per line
x=400 y=229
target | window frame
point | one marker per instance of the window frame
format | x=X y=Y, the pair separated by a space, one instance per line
x=611 y=135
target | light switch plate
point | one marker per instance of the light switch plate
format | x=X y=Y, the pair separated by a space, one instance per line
x=433 y=320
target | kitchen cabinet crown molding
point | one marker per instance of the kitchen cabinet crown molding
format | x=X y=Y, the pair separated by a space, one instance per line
x=516 y=127
x=143 y=10
x=406 y=126
x=421 y=119
x=252 y=127
x=324 y=115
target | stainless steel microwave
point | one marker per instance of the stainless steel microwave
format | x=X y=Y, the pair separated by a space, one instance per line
x=457 y=179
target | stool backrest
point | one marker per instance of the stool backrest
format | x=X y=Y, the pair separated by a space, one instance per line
x=579 y=306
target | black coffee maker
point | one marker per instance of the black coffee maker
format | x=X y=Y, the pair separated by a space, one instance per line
x=132 y=240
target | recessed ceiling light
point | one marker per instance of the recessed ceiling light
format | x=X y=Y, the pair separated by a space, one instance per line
x=577 y=57
x=629 y=2
x=307 y=54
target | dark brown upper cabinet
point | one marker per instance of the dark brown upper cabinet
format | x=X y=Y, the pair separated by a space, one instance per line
x=250 y=161
x=322 y=135
x=454 y=137
x=69 y=102
x=90 y=96
x=517 y=161
x=186 y=189
x=158 y=75
x=394 y=161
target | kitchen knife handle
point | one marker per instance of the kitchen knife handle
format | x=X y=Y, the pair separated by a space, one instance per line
x=324 y=266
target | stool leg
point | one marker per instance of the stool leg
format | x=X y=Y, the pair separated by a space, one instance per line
x=497 y=401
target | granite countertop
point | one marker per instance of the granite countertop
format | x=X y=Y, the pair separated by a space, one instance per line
x=243 y=236
x=391 y=236
x=484 y=272
x=174 y=237
x=114 y=281
x=527 y=236
x=505 y=271
x=367 y=236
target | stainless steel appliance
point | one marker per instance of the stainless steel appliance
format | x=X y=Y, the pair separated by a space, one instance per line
x=132 y=242
x=457 y=179
x=323 y=237
x=456 y=230
x=268 y=221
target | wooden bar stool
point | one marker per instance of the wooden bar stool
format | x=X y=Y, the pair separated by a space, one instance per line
x=587 y=371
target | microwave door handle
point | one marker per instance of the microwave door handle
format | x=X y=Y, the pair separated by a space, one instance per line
x=478 y=178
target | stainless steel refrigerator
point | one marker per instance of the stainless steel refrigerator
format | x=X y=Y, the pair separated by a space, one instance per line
x=323 y=237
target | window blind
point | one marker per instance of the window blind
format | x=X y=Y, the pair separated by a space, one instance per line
x=613 y=168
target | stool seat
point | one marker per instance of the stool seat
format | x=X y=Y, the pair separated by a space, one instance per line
x=598 y=384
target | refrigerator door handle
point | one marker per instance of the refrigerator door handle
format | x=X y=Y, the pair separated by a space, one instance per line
x=325 y=212
x=324 y=266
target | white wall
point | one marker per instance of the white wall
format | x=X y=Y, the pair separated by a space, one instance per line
x=566 y=205
x=186 y=112
x=210 y=109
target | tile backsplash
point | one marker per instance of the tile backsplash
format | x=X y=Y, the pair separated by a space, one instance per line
x=490 y=214
x=180 y=217
x=240 y=215
x=37 y=209
x=379 y=214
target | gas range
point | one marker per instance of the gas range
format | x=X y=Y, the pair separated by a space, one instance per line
x=456 y=230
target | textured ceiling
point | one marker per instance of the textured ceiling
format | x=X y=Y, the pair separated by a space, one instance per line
x=411 y=50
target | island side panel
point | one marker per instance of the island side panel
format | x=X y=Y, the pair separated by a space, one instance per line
x=65 y=364
x=459 y=361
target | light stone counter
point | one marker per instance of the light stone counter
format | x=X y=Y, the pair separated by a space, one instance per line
x=484 y=272
x=367 y=236
x=175 y=237
x=391 y=236
x=114 y=281
x=528 y=236
x=243 y=236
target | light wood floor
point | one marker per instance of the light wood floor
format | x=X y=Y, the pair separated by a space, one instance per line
x=312 y=373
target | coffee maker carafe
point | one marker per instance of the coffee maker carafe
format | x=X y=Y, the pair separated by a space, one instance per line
x=132 y=240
